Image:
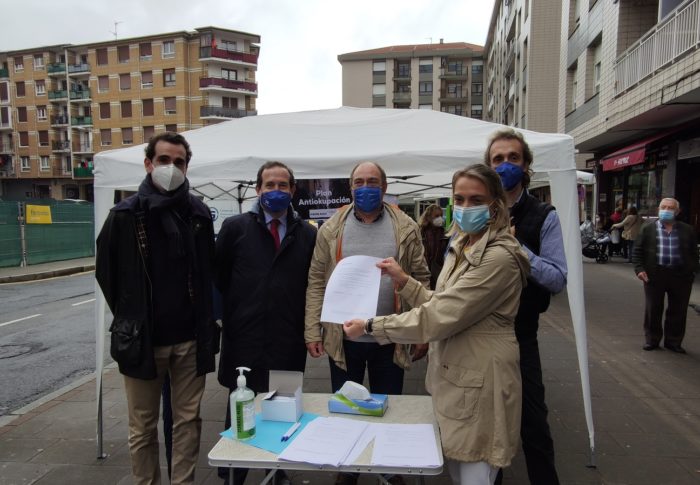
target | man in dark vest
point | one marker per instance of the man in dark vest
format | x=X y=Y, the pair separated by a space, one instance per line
x=536 y=226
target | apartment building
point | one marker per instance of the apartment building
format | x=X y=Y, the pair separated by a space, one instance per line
x=446 y=77
x=522 y=69
x=630 y=96
x=62 y=104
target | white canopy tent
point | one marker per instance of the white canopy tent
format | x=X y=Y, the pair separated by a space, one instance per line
x=418 y=149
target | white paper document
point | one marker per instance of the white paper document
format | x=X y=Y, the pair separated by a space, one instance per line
x=352 y=290
x=406 y=445
x=324 y=441
x=362 y=442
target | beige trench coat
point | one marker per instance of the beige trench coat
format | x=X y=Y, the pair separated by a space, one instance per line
x=410 y=257
x=473 y=362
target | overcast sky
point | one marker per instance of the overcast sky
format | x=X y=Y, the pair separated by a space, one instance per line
x=300 y=39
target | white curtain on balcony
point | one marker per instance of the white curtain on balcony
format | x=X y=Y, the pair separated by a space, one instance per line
x=427 y=145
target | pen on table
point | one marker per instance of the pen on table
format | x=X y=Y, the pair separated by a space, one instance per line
x=290 y=431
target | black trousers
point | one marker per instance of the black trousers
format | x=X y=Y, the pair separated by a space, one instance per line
x=678 y=286
x=385 y=377
x=535 y=435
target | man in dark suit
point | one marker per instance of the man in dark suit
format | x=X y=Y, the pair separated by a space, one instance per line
x=666 y=259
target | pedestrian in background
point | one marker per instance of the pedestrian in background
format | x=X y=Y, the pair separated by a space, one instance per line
x=153 y=264
x=630 y=225
x=666 y=259
x=432 y=232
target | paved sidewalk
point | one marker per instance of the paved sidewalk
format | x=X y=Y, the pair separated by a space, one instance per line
x=46 y=270
x=646 y=406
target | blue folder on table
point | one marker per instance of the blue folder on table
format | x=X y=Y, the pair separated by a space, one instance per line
x=268 y=434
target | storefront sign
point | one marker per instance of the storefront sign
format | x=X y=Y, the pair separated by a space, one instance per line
x=38 y=214
x=624 y=160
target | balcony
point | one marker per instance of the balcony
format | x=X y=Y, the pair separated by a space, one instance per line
x=81 y=121
x=402 y=97
x=83 y=148
x=510 y=61
x=402 y=74
x=56 y=68
x=7 y=169
x=81 y=172
x=221 y=112
x=454 y=98
x=662 y=45
x=58 y=95
x=5 y=126
x=214 y=83
x=457 y=73
x=6 y=148
x=60 y=146
x=227 y=56
x=79 y=69
x=81 y=95
x=4 y=73
x=59 y=120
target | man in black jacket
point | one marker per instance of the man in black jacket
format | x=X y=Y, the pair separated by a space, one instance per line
x=262 y=264
x=665 y=258
x=154 y=256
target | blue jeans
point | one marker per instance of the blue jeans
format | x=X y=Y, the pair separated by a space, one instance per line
x=385 y=377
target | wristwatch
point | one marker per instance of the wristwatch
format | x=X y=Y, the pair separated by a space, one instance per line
x=368 y=326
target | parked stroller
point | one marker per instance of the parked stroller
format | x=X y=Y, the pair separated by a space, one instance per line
x=595 y=247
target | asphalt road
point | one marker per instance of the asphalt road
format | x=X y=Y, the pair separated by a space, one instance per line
x=47 y=337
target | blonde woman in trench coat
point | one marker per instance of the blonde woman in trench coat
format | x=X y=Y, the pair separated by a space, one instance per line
x=473 y=365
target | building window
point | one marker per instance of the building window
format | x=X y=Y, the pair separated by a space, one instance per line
x=230 y=74
x=168 y=48
x=477 y=111
x=425 y=87
x=102 y=58
x=106 y=137
x=126 y=109
x=44 y=162
x=454 y=90
x=19 y=89
x=22 y=114
x=172 y=128
x=147 y=107
x=127 y=136
x=43 y=138
x=148 y=132
x=455 y=67
x=168 y=77
x=41 y=112
x=105 y=111
x=4 y=92
x=227 y=102
x=403 y=88
x=24 y=163
x=170 y=105
x=19 y=64
x=102 y=84
x=425 y=106
x=145 y=51
x=596 y=77
x=404 y=70
x=123 y=53
x=23 y=139
x=228 y=45
x=477 y=67
x=571 y=87
x=40 y=87
x=379 y=67
x=378 y=90
x=425 y=66
x=124 y=82
x=147 y=79
x=477 y=89
x=39 y=62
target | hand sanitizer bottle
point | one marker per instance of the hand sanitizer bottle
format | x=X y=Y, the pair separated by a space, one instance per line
x=242 y=404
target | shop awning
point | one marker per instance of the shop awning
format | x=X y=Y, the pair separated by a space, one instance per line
x=632 y=154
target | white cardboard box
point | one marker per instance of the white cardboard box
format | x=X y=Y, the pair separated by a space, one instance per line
x=286 y=402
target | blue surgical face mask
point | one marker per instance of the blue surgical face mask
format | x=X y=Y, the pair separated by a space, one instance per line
x=666 y=215
x=275 y=200
x=367 y=199
x=510 y=174
x=472 y=220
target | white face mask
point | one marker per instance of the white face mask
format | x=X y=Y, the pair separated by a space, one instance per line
x=167 y=177
x=438 y=221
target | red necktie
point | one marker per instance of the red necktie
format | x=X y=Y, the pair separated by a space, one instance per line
x=274 y=224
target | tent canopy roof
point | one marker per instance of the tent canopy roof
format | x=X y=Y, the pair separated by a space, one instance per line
x=426 y=145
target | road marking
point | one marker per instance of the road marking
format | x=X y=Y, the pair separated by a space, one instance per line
x=19 y=320
x=83 y=302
